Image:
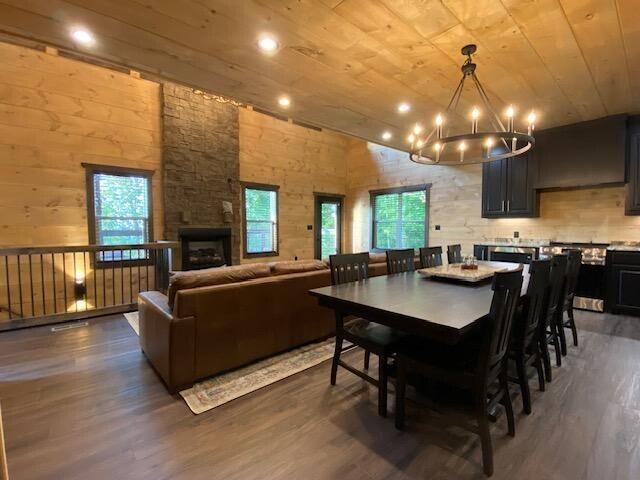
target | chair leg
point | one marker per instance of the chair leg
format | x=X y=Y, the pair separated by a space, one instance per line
x=485 y=439
x=382 y=385
x=561 y=335
x=556 y=344
x=572 y=324
x=336 y=359
x=367 y=356
x=540 y=371
x=524 y=384
x=508 y=406
x=546 y=360
x=401 y=385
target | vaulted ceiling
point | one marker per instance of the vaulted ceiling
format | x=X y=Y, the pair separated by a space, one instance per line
x=347 y=64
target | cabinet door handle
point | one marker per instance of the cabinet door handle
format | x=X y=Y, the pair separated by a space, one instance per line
x=503 y=205
x=508 y=205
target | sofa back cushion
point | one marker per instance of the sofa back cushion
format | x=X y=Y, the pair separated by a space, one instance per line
x=297 y=266
x=215 y=276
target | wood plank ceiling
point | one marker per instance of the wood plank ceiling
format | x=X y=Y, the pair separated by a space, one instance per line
x=347 y=64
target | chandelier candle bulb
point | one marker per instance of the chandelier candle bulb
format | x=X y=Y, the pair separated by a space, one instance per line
x=531 y=119
x=510 y=114
x=462 y=147
x=439 y=122
x=475 y=113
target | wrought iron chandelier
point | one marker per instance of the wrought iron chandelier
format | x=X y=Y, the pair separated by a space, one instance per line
x=437 y=148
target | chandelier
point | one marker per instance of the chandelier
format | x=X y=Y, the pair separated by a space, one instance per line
x=437 y=148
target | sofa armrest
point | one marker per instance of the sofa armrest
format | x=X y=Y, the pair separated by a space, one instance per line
x=167 y=341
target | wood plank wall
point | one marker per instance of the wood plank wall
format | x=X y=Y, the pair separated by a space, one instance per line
x=56 y=113
x=572 y=215
x=300 y=161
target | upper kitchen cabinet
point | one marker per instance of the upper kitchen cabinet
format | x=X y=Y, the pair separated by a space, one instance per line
x=508 y=188
x=633 y=168
x=584 y=154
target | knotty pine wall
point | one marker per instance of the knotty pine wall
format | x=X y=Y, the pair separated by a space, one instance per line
x=300 y=161
x=55 y=114
x=572 y=215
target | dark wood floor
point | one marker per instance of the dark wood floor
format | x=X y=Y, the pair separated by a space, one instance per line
x=84 y=404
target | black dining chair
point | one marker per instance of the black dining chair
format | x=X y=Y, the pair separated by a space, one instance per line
x=370 y=336
x=454 y=253
x=430 y=257
x=524 y=349
x=399 y=261
x=478 y=365
x=571 y=282
x=549 y=327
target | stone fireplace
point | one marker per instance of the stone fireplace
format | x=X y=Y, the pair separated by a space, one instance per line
x=205 y=247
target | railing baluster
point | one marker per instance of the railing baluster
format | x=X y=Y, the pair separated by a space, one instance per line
x=86 y=281
x=139 y=279
x=130 y=279
x=20 y=288
x=53 y=272
x=44 y=300
x=75 y=279
x=64 y=279
x=121 y=277
x=33 y=302
x=6 y=269
x=113 y=276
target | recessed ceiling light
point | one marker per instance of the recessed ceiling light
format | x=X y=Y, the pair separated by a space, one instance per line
x=284 y=101
x=83 y=36
x=404 y=107
x=268 y=44
x=387 y=135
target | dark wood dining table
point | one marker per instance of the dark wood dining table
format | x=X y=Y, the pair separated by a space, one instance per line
x=436 y=308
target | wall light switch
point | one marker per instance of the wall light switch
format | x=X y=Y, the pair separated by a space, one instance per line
x=437 y=227
x=309 y=227
x=516 y=234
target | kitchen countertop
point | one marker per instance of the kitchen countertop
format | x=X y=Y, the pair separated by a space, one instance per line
x=513 y=242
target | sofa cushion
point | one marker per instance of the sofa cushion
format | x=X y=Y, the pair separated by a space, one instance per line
x=297 y=266
x=215 y=276
x=377 y=257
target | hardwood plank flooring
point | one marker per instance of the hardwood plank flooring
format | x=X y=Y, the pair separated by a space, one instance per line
x=84 y=404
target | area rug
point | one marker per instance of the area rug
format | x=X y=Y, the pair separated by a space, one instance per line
x=222 y=389
x=219 y=390
x=132 y=318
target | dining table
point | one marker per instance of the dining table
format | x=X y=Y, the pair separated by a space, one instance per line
x=442 y=309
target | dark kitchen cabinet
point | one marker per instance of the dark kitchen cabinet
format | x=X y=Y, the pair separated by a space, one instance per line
x=623 y=282
x=633 y=169
x=481 y=252
x=508 y=188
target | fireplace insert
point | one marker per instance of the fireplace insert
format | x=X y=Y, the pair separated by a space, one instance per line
x=205 y=247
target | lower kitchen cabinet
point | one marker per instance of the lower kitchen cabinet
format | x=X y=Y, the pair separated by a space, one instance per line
x=623 y=282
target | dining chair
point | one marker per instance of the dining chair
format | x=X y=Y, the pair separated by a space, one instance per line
x=399 y=261
x=478 y=365
x=370 y=336
x=454 y=253
x=524 y=349
x=573 y=271
x=549 y=327
x=430 y=257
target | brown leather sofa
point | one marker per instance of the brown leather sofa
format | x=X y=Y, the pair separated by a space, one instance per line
x=219 y=319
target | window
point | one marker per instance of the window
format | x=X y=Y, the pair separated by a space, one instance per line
x=400 y=217
x=260 y=220
x=120 y=213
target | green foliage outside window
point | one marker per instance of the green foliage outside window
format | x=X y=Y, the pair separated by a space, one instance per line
x=261 y=220
x=121 y=212
x=329 y=224
x=399 y=220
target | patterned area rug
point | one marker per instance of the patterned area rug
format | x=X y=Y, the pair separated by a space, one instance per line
x=219 y=390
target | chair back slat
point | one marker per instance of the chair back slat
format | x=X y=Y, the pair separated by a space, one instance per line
x=506 y=288
x=399 y=261
x=349 y=267
x=430 y=257
x=534 y=305
x=454 y=253
x=573 y=271
x=556 y=287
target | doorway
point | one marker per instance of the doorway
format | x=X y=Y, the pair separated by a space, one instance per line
x=328 y=225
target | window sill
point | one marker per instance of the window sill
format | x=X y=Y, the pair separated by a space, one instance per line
x=260 y=254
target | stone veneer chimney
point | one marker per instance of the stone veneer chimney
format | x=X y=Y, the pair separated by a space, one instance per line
x=201 y=162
